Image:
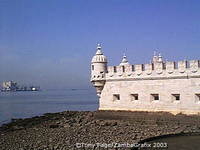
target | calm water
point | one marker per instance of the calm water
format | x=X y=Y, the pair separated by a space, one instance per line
x=28 y=104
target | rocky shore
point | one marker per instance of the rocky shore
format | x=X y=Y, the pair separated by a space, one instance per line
x=71 y=129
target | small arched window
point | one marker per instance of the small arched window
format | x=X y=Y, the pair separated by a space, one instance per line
x=92 y=67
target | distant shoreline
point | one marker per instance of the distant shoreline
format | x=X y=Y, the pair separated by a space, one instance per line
x=21 y=91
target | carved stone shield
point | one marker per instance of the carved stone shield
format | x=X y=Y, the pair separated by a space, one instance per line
x=182 y=66
x=158 y=68
x=148 y=69
x=170 y=67
x=194 y=66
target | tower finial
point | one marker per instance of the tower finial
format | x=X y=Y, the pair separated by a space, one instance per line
x=124 y=55
x=99 y=52
x=160 y=57
x=98 y=46
x=154 y=53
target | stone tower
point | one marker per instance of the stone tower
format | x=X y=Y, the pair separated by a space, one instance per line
x=98 y=70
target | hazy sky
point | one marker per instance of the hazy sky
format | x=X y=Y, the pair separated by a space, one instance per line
x=51 y=42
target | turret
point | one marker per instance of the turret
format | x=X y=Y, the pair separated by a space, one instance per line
x=98 y=70
x=124 y=61
x=157 y=59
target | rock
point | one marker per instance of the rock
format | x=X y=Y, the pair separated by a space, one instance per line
x=17 y=127
x=66 y=125
x=50 y=140
x=53 y=126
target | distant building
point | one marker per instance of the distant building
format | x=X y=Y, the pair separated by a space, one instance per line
x=158 y=86
x=9 y=86
x=13 y=86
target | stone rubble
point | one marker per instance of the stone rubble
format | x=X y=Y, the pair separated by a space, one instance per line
x=61 y=131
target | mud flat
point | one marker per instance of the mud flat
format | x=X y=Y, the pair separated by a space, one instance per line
x=76 y=130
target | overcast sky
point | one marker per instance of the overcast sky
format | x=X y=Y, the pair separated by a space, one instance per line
x=51 y=42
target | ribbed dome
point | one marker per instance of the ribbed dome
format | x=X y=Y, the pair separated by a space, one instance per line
x=99 y=57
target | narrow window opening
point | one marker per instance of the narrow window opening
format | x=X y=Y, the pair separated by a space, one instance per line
x=134 y=97
x=116 y=97
x=199 y=63
x=143 y=68
x=176 y=97
x=155 y=97
x=197 y=97
x=92 y=67
x=152 y=66
x=123 y=68
x=133 y=68
x=175 y=65
x=115 y=70
x=187 y=64
x=164 y=66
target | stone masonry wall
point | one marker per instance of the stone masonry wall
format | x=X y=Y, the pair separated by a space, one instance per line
x=156 y=85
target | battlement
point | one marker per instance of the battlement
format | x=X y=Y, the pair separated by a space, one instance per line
x=180 y=68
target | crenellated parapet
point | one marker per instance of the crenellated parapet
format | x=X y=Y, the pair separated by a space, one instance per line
x=153 y=70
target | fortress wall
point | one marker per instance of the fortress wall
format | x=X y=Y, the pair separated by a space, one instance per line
x=168 y=69
x=119 y=69
x=110 y=69
x=189 y=102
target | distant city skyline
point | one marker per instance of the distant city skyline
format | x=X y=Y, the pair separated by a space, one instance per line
x=51 y=43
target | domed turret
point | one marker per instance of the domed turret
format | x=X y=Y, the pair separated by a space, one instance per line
x=157 y=59
x=99 y=57
x=98 y=70
x=124 y=61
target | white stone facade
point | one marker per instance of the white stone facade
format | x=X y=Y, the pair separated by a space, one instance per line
x=159 y=86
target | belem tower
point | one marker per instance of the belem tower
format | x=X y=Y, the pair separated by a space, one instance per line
x=158 y=86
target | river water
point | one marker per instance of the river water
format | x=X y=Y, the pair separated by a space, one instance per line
x=29 y=104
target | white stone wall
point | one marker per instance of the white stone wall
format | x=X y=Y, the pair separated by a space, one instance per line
x=164 y=79
x=187 y=88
